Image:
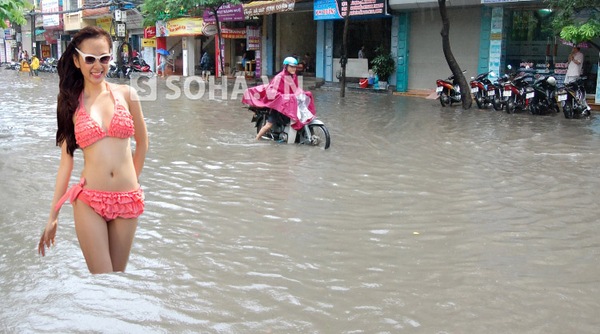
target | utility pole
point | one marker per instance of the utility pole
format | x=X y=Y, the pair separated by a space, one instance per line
x=33 y=42
x=121 y=31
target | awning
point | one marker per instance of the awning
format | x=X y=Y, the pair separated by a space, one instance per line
x=266 y=7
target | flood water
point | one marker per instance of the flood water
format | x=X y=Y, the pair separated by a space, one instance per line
x=418 y=219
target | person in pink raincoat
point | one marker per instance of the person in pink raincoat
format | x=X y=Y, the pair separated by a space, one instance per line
x=281 y=95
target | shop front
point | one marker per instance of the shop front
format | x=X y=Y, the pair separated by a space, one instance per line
x=369 y=28
x=178 y=38
x=531 y=45
x=48 y=30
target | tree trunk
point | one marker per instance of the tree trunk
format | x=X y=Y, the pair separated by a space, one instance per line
x=221 y=66
x=454 y=67
x=344 y=59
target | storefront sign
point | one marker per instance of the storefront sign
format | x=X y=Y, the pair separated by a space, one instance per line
x=46 y=53
x=50 y=36
x=150 y=32
x=597 y=96
x=258 y=8
x=51 y=21
x=148 y=42
x=233 y=32
x=495 y=55
x=226 y=13
x=252 y=38
x=106 y=24
x=185 y=27
x=189 y=26
x=209 y=29
x=336 y=9
x=8 y=33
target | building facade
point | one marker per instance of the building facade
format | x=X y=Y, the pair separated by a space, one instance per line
x=485 y=35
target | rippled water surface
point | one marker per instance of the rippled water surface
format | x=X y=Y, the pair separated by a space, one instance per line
x=418 y=219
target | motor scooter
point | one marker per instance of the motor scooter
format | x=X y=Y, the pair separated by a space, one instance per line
x=314 y=133
x=293 y=118
x=482 y=89
x=544 y=101
x=139 y=65
x=572 y=100
x=448 y=90
x=518 y=93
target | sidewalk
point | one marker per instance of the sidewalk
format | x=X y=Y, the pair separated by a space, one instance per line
x=311 y=83
x=432 y=95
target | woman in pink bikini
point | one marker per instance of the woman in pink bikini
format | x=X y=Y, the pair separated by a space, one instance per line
x=100 y=118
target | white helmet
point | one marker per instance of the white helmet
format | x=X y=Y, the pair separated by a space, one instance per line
x=551 y=80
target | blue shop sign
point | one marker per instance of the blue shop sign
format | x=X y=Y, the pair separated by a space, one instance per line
x=336 y=9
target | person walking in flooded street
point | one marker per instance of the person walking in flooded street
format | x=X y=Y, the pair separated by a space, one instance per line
x=100 y=118
x=35 y=65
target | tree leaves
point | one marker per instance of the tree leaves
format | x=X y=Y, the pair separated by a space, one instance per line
x=13 y=11
x=576 y=20
x=155 y=10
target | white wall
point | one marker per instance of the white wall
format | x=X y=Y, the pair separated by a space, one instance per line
x=426 y=57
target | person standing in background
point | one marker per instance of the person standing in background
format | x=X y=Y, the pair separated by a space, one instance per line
x=162 y=66
x=205 y=66
x=361 y=52
x=575 y=66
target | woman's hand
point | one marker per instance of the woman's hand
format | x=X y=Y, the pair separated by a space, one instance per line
x=48 y=235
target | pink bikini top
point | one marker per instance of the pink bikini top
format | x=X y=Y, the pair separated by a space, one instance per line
x=88 y=131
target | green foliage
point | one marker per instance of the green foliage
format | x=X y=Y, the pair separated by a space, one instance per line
x=576 y=20
x=383 y=63
x=13 y=10
x=154 y=10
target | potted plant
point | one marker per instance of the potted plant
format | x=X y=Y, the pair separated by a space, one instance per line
x=383 y=65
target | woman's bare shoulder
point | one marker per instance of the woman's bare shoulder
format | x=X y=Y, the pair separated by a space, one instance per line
x=125 y=91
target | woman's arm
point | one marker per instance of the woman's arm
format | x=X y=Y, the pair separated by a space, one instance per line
x=141 y=133
x=62 y=183
x=62 y=178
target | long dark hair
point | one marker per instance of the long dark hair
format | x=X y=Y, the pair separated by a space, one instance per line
x=71 y=85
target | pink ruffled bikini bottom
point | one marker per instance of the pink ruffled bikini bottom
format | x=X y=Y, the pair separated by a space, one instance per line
x=108 y=204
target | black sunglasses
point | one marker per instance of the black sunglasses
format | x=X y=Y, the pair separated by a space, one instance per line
x=90 y=59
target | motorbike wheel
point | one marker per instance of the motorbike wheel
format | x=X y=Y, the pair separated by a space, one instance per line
x=568 y=109
x=444 y=98
x=497 y=103
x=509 y=106
x=319 y=136
x=479 y=99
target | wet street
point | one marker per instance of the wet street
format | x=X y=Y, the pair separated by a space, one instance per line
x=418 y=219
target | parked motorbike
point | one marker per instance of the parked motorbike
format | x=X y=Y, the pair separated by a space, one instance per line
x=544 y=101
x=115 y=72
x=483 y=89
x=139 y=65
x=497 y=98
x=13 y=65
x=571 y=98
x=49 y=65
x=448 y=90
x=518 y=93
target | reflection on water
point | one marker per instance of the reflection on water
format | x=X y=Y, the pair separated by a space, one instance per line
x=418 y=219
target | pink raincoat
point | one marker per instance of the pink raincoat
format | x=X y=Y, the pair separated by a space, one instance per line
x=283 y=95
